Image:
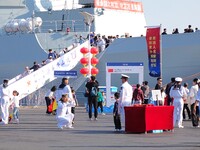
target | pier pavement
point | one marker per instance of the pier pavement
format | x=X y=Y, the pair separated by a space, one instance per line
x=37 y=131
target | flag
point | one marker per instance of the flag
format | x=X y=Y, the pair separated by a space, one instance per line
x=154 y=49
x=55 y=105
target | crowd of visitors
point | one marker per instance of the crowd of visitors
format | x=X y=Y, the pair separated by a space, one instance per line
x=174 y=93
x=186 y=30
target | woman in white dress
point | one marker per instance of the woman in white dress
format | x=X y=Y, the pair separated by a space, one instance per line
x=63 y=114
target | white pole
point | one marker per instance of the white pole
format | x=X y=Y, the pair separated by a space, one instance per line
x=89 y=63
x=56 y=26
x=33 y=24
x=89 y=18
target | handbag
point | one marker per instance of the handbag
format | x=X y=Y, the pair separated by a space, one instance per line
x=86 y=93
x=50 y=107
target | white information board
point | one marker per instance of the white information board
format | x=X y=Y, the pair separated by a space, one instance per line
x=121 y=68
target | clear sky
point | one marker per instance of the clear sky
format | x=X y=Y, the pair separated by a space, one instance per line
x=172 y=13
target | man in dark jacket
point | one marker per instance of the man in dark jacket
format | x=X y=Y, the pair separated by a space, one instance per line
x=167 y=90
x=35 y=66
x=92 y=98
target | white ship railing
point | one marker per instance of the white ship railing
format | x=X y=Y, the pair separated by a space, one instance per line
x=62 y=25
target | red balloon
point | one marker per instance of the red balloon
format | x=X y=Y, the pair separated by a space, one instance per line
x=94 y=50
x=84 y=71
x=94 y=71
x=84 y=50
x=94 y=61
x=84 y=61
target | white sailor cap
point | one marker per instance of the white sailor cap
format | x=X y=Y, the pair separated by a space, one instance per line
x=178 y=79
x=124 y=76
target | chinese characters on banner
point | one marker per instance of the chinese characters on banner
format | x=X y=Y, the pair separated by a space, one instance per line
x=119 y=5
x=153 y=47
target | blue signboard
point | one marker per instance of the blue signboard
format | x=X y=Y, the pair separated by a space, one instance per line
x=125 y=64
x=71 y=74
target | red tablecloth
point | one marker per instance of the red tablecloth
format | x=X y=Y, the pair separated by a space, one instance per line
x=144 y=118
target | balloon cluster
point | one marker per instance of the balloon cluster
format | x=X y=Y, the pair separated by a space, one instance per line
x=85 y=61
x=22 y=25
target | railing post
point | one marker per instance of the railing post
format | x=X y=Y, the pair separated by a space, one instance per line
x=56 y=26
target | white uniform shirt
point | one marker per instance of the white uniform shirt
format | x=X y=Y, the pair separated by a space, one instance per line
x=177 y=93
x=67 y=90
x=49 y=94
x=4 y=95
x=63 y=108
x=198 y=96
x=126 y=92
x=15 y=101
x=69 y=106
x=193 y=93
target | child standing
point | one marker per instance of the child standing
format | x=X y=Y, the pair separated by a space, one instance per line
x=75 y=101
x=100 y=101
x=116 y=114
x=63 y=114
x=15 y=101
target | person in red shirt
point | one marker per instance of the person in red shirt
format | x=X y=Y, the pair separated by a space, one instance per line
x=138 y=95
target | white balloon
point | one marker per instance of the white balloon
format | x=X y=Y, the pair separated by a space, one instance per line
x=7 y=27
x=29 y=25
x=14 y=26
x=38 y=21
x=22 y=25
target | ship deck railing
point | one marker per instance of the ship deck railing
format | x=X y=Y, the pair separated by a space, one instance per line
x=62 y=25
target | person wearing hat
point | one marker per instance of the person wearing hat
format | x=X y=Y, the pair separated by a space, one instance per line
x=177 y=92
x=194 y=108
x=5 y=102
x=126 y=94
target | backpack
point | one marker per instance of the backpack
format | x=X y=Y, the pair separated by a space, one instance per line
x=93 y=92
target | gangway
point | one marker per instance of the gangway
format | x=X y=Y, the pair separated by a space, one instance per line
x=45 y=74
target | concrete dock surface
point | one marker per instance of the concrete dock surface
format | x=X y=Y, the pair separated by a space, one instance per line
x=38 y=131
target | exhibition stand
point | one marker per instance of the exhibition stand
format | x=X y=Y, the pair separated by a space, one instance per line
x=144 y=118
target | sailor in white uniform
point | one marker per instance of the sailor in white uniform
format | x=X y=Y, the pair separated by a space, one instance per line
x=5 y=102
x=64 y=106
x=126 y=94
x=64 y=88
x=177 y=92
